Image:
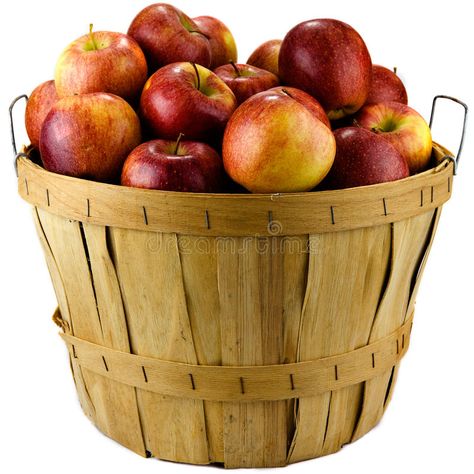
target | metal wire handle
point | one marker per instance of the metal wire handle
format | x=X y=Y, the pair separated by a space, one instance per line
x=463 y=133
x=12 y=131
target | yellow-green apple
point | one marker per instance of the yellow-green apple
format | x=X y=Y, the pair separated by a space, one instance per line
x=386 y=86
x=245 y=80
x=404 y=127
x=101 y=61
x=39 y=104
x=223 y=47
x=363 y=158
x=305 y=99
x=266 y=56
x=328 y=59
x=89 y=136
x=174 y=165
x=273 y=143
x=186 y=98
x=167 y=35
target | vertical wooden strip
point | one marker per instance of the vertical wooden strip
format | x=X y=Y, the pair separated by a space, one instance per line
x=391 y=386
x=409 y=241
x=250 y=286
x=126 y=426
x=411 y=303
x=109 y=398
x=84 y=398
x=295 y=251
x=346 y=274
x=419 y=272
x=149 y=271
x=199 y=267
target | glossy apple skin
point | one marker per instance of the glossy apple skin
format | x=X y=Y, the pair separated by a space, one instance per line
x=172 y=104
x=404 y=127
x=39 y=104
x=89 y=136
x=223 y=47
x=251 y=80
x=329 y=60
x=167 y=35
x=386 y=86
x=117 y=67
x=364 y=158
x=195 y=167
x=273 y=144
x=305 y=99
x=266 y=56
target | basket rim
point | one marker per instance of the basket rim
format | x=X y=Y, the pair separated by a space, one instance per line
x=224 y=214
x=441 y=155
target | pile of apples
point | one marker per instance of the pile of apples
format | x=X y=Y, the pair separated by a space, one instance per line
x=166 y=106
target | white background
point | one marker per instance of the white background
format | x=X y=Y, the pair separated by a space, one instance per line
x=429 y=425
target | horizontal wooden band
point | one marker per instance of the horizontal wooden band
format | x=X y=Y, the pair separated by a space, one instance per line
x=243 y=383
x=236 y=214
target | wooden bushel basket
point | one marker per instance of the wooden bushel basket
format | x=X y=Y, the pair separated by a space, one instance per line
x=248 y=330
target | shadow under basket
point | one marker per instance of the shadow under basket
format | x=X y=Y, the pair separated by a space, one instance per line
x=247 y=330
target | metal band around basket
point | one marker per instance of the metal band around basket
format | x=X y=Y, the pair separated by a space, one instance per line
x=236 y=214
x=243 y=383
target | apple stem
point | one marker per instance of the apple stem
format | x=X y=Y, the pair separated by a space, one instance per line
x=197 y=76
x=91 y=35
x=236 y=69
x=395 y=70
x=178 y=141
x=287 y=93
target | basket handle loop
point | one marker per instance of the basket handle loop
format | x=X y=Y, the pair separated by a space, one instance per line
x=12 y=131
x=456 y=159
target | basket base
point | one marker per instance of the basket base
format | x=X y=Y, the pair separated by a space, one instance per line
x=341 y=401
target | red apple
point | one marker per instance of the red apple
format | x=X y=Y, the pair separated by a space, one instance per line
x=329 y=60
x=363 y=158
x=405 y=128
x=174 y=166
x=167 y=35
x=89 y=136
x=186 y=98
x=245 y=80
x=103 y=61
x=273 y=144
x=305 y=99
x=386 y=86
x=39 y=104
x=266 y=56
x=223 y=47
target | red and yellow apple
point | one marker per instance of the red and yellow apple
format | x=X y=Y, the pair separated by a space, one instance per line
x=329 y=60
x=273 y=143
x=403 y=127
x=223 y=47
x=386 y=86
x=89 y=136
x=266 y=56
x=186 y=98
x=167 y=35
x=364 y=158
x=101 y=61
x=245 y=80
x=39 y=104
x=174 y=165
